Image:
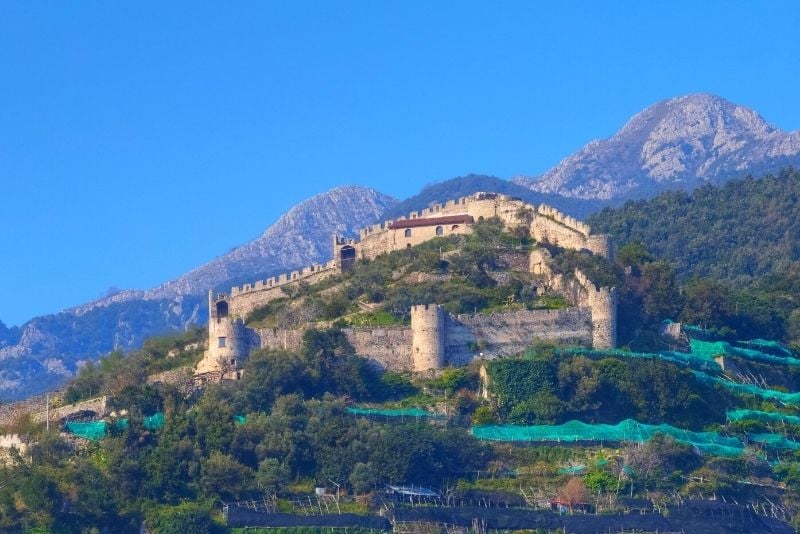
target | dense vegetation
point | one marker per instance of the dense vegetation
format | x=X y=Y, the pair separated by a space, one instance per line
x=544 y=389
x=734 y=250
x=285 y=428
x=455 y=272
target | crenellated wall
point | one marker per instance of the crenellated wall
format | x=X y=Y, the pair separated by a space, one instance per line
x=249 y=297
x=552 y=226
x=579 y=291
x=434 y=335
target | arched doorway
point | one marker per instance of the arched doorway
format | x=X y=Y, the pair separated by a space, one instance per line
x=347 y=257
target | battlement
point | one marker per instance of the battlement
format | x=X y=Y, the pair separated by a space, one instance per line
x=450 y=206
x=282 y=279
x=570 y=222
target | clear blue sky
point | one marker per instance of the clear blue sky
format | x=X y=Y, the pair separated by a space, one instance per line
x=140 y=139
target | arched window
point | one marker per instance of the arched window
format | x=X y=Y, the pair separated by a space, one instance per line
x=407 y=233
x=454 y=227
x=222 y=309
x=439 y=230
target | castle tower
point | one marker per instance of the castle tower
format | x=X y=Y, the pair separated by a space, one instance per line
x=228 y=342
x=427 y=337
x=603 y=304
x=344 y=253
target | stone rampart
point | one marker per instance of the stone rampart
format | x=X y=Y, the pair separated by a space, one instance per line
x=243 y=300
x=474 y=336
x=281 y=338
x=388 y=347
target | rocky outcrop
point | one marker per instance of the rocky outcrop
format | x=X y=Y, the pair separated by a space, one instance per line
x=675 y=144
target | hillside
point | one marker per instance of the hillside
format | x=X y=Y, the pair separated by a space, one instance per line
x=46 y=350
x=648 y=433
x=679 y=143
x=742 y=239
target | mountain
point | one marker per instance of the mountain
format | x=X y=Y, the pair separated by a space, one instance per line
x=473 y=183
x=45 y=350
x=679 y=143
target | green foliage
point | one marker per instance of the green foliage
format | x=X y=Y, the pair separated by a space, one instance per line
x=736 y=248
x=540 y=391
x=185 y=518
x=516 y=380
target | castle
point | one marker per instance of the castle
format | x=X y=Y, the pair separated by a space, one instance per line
x=435 y=338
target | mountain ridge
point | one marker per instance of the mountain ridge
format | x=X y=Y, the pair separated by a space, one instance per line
x=47 y=349
x=679 y=143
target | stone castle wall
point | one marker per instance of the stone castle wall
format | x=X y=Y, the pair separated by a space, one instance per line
x=248 y=297
x=552 y=226
x=469 y=337
x=433 y=334
x=388 y=348
x=436 y=339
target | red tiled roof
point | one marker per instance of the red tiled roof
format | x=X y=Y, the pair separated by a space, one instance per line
x=433 y=221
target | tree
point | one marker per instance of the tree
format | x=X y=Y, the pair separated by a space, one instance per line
x=573 y=493
x=271 y=477
x=224 y=477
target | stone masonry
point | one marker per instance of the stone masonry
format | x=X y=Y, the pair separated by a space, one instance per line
x=435 y=338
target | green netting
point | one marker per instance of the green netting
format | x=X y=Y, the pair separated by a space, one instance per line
x=767 y=345
x=682 y=358
x=766 y=417
x=397 y=412
x=775 y=441
x=239 y=419
x=154 y=422
x=97 y=430
x=709 y=349
x=572 y=470
x=749 y=389
x=625 y=431
x=94 y=431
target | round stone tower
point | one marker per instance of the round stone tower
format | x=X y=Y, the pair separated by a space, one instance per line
x=603 y=303
x=427 y=333
x=228 y=341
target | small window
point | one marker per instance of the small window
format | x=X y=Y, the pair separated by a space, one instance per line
x=407 y=233
x=408 y=245
x=439 y=230
x=454 y=227
x=222 y=341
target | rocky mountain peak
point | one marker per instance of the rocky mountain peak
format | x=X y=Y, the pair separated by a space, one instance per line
x=681 y=142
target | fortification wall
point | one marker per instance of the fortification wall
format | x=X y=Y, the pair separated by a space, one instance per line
x=388 y=348
x=383 y=238
x=469 y=337
x=97 y=405
x=281 y=338
x=243 y=300
x=552 y=226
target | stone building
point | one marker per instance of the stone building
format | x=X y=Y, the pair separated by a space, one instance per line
x=434 y=338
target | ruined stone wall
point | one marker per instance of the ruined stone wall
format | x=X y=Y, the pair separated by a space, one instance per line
x=389 y=348
x=97 y=405
x=469 y=337
x=552 y=226
x=281 y=338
